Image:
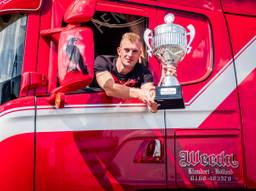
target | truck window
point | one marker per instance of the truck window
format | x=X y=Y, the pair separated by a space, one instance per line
x=108 y=27
x=12 y=38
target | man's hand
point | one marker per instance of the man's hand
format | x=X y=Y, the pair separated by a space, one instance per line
x=150 y=97
x=152 y=105
x=172 y=69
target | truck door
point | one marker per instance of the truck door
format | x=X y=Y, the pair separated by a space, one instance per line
x=204 y=139
x=242 y=15
x=17 y=110
x=96 y=142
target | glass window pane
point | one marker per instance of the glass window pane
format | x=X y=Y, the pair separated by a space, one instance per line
x=12 y=38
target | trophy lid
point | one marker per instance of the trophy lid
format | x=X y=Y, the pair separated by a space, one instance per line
x=169 y=26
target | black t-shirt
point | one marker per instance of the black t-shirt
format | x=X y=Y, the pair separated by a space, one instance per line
x=138 y=76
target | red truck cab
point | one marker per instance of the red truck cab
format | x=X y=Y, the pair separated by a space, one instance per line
x=59 y=132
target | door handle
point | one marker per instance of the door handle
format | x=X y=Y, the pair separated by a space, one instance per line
x=150 y=151
x=157 y=149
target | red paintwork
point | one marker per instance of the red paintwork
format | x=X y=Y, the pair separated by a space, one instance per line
x=17 y=169
x=83 y=161
x=58 y=149
x=246 y=7
x=246 y=91
x=7 y=6
x=17 y=158
x=208 y=5
x=80 y=11
x=32 y=80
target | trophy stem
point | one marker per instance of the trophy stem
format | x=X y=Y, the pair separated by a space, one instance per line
x=170 y=80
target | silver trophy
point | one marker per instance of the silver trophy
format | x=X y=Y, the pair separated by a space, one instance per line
x=169 y=46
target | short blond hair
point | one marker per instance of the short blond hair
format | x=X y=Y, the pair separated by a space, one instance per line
x=132 y=37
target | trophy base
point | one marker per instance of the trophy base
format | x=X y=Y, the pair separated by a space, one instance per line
x=169 y=97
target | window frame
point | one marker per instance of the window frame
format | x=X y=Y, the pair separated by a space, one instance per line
x=10 y=86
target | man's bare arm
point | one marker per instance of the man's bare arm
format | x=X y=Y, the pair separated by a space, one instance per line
x=148 y=86
x=106 y=82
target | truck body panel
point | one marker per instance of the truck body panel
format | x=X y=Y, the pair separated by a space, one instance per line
x=58 y=132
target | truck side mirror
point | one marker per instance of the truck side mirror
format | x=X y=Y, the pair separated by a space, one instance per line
x=75 y=50
x=75 y=59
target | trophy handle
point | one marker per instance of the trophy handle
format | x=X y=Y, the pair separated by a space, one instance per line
x=191 y=33
x=148 y=35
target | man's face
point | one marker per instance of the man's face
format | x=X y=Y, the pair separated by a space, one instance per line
x=129 y=53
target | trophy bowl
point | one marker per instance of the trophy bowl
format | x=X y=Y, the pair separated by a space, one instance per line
x=169 y=46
